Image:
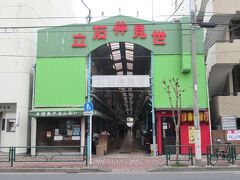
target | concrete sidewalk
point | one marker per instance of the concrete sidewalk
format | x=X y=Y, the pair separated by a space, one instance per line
x=133 y=162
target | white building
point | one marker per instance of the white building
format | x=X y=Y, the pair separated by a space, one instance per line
x=19 y=22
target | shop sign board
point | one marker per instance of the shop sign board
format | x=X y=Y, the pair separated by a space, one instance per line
x=233 y=135
x=119 y=81
x=191 y=134
x=228 y=122
x=57 y=113
x=100 y=33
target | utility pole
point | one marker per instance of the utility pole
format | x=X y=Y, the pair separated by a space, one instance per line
x=89 y=84
x=198 y=153
x=153 y=111
x=89 y=142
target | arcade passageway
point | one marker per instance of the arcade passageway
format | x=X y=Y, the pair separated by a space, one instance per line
x=122 y=107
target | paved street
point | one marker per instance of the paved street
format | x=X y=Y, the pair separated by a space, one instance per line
x=212 y=175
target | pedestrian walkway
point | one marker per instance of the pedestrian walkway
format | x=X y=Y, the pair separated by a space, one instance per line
x=127 y=145
x=126 y=155
x=127 y=162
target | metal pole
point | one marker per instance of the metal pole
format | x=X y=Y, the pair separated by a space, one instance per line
x=208 y=111
x=90 y=117
x=198 y=154
x=152 y=10
x=89 y=12
x=153 y=113
x=146 y=123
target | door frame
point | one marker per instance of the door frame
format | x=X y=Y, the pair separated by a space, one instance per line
x=159 y=115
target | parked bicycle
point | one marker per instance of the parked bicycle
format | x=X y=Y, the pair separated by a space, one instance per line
x=224 y=151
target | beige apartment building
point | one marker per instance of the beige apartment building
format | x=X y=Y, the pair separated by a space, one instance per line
x=222 y=51
x=222 y=56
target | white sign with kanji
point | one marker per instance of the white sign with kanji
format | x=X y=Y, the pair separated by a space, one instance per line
x=121 y=81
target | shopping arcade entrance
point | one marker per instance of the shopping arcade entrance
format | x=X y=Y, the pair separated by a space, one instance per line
x=66 y=49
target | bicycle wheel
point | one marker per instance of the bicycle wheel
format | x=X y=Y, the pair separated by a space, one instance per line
x=213 y=159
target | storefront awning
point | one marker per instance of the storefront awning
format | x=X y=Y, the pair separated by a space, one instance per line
x=63 y=112
x=56 y=112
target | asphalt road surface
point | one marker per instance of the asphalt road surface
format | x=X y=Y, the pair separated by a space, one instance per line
x=193 y=175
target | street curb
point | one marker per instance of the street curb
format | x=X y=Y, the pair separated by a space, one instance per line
x=48 y=170
x=93 y=170
x=196 y=168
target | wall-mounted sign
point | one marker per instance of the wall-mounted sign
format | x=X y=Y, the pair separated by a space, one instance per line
x=8 y=107
x=120 y=27
x=120 y=81
x=57 y=113
x=228 y=122
x=191 y=134
x=233 y=135
x=88 y=113
x=164 y=125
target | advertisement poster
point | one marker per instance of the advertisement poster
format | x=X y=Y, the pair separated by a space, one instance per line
x=233 y=135
x=191 y=134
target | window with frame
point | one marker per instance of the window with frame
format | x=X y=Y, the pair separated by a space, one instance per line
x=11 y=125
x=236 y=78
x=3 y=124
x=238 y=123
x=234 y=29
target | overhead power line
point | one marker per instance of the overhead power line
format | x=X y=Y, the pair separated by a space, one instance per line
x=175 y=10
x=107 y=57
x=82 y=17
x=107 y=24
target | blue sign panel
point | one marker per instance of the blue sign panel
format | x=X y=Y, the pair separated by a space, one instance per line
x=88 y=106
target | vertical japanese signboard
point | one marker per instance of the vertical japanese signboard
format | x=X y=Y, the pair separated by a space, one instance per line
x=191 y=134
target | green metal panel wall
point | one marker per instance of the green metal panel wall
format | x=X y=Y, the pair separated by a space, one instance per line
x=60 y=82
x=169 y=66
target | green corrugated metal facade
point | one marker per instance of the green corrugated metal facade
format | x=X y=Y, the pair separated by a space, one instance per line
x=61 y=69
x=167 y=67
x=60 y=82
